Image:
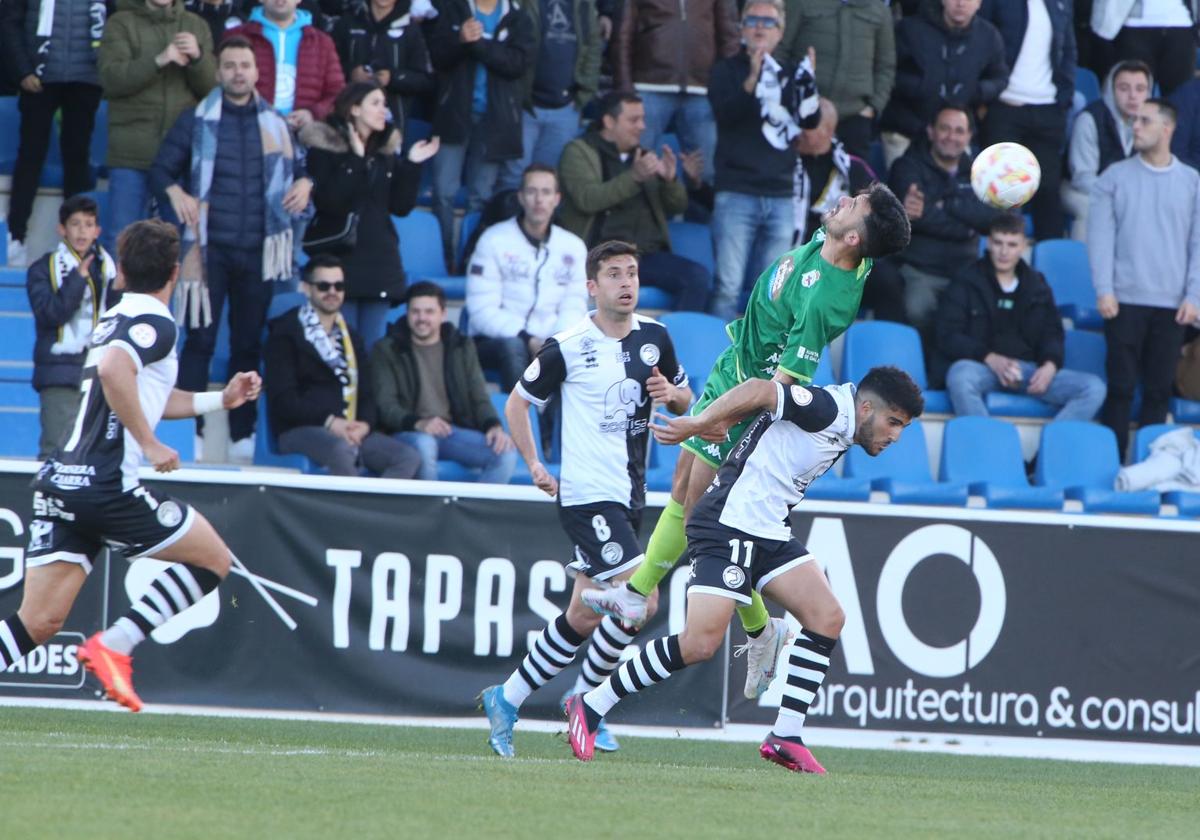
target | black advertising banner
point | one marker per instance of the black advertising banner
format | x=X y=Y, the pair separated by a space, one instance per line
x=347 y=602
x=1012 y=628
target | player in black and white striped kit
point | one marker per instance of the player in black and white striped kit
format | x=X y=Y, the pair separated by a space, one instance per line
x=87 y=495
x=610 y=369
x=740 y=539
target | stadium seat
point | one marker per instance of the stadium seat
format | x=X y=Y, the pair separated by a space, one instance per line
x=1086 y=351
x=22 y=429
x=1007 y=404
x=1147 y=435
x=266 y=450
x=16 y=335
x=902 y=471
x=1087 y=83
x=1081 y=459
x=831 y=488
x=1185 y=411
x=421 y=251
x=10 y=138
x=11 y=275
x=180 y=435
x=985 y=454
x=18 y=395
x=662 y=466
x=824 y=374
x=1065 y=264
x=694 y=241
x=16 y=370
x=871 y=343
x=284 y=301
x=469 y=222
x=13 y=299
x=652 y=297
x=521 y=473
x=699 y=339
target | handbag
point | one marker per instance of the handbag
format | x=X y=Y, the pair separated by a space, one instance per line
x=344 y=239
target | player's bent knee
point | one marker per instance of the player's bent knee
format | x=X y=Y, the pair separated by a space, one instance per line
x=699 y=647
x=830 y=621
x=581 y=617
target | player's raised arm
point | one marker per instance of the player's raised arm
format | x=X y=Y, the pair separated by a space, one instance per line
x=713 y=423
x=118 y=377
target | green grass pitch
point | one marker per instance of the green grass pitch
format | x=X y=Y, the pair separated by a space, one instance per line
x=67 y=774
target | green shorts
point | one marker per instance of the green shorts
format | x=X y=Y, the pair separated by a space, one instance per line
x=722 y=378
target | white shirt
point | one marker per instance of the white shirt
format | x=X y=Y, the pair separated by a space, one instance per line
x=1032 y=79
x=1147 y=13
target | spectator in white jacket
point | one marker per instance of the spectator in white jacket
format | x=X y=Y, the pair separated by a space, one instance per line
x=526 y=280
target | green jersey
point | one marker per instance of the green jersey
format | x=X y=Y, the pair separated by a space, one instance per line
x=798 y=305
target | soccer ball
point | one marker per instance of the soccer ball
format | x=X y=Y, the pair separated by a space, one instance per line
x=1005 y=175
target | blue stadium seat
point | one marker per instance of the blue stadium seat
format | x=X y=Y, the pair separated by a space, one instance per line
x=824 y=374
x=1188 y=504
x=830 y=488
x=11 y=276
x=284 y=301
x=21 y=432
x=469 y=222
x=1185 y=411
x=180 y=435
x=985 y=453
x=1065 y=264
x=1147 y=435
x=1081 y=459
x=652 y=297
x=902 y=471
x=10 y=138
x=13 y=299
x=662 y=466
x=16 y=370
x=694 y=241
x=872 y=343
x=699 y=339
x=16 y=335
x=421 y=251
x=1007 y=404
x=266 y=449
x=1087 y=83
x=1086 y=351
x=521 y=473
x=18 y=395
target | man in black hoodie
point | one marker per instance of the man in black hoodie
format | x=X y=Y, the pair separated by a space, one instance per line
x=999 y=329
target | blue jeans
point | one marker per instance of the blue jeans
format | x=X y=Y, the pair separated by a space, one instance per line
x=367 y=317
x=129 y=201
x=459 y=164
x=1077 y=395
x=544 y=133
x=464 y=446
x=689 y=281
x=749 y=232
x=693 y=119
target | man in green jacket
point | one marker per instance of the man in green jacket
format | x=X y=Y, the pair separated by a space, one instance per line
x=431 y=394
x=155 y=61
x=855 y=45
x=614 y=189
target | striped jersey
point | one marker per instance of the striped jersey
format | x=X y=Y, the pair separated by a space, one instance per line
x=100 y=454
x=780 y=454
x=605 y=407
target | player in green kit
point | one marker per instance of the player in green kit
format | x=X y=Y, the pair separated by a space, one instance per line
x=805 y=300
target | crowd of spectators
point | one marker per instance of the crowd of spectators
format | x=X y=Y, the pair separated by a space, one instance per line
x=285 y=132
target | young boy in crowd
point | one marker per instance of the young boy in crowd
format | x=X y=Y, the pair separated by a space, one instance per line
x=69 y=289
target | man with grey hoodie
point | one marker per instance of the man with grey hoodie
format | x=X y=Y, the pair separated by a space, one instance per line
x=1144 y=249
x=1102 y=135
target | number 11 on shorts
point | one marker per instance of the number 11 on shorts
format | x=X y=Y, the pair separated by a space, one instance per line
x=741 y=552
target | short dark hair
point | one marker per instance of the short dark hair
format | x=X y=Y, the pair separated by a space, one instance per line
x=611 y=103
x=78 y=203
x=235 y=42
x=320 y=261
x=961 y=109
x=606 y=251
x=886 y=229
x=539 y=167
x=425 y=288
x=1166 y=108
x=1133 y=65
x=147 y=253
x=894 y=387
x=1008 y=222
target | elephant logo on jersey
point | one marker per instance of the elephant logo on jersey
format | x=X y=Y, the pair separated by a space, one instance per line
x=649 y=354
x=624 y=397
x=734 y=577
x=782 y=272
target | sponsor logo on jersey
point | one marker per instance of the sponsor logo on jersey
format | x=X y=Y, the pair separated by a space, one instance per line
x=809 y=278
x=587 y=348
x=143 y=335
x=782 y=272
x=169 y=514
x=40 y=532
x=533 y=371
x=622 y=357
x=808 y=355
x=801 y=395
x=713 y=450
x=621 y=402
x=103 y=330
x=612 y=553
x=649 y=354
x=734 y=577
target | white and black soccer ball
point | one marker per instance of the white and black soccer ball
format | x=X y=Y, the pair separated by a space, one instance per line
x=1005 y=175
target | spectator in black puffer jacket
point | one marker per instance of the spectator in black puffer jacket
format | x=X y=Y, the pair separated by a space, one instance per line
x=235 y=217
x=946 y=55
x=56 y=69
x=381 y=42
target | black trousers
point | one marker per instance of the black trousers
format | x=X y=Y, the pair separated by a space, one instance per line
x=855 y=133
x=1143 y=346
x=1170 y=52
x=234 y=274
x=1043 y=130
x=78 y=102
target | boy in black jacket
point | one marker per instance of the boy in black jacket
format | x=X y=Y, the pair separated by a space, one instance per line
x=69 y=289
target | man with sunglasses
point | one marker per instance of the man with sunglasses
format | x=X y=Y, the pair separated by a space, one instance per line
x=761 y=105
x=319 y=399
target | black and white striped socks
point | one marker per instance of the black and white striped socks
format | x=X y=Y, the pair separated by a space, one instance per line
x=549 y=654
x=660 y=659
x=604 y=653
x=14 y=642
x=176 y=588
x=807 y=664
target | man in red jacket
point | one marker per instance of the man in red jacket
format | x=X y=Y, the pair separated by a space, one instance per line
x=298 y=68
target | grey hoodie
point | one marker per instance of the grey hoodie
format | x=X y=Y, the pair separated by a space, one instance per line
x=1084 y=152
